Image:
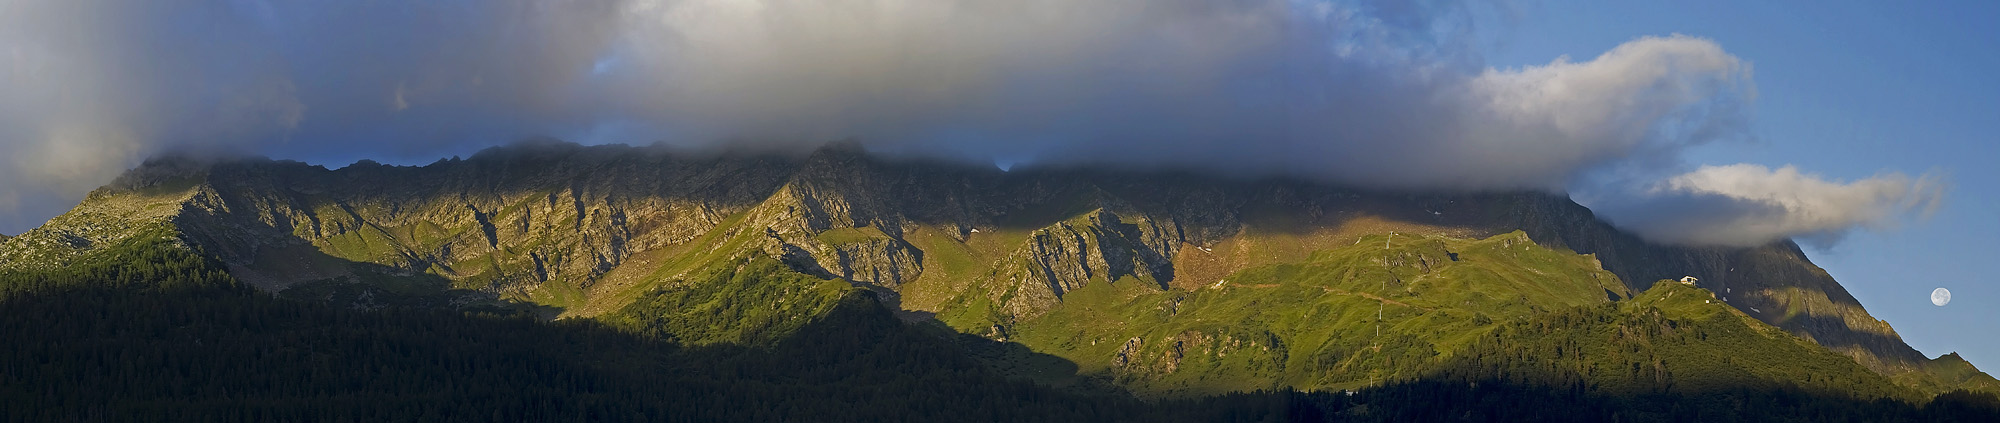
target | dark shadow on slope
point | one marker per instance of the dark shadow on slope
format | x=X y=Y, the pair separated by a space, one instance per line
x=1209 y=208
x=213 y=350
x=219 y=352
x=1501 y=401
x=372 y=286
x=1835 y=334
x=293 y=269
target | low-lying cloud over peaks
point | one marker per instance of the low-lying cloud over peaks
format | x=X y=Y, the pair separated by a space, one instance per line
x=1747 y=205
x=1389 y=94
x=1316 y=89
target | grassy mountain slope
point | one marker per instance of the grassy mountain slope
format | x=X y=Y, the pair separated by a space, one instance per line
x=1775 y=283
x=1378 y=309
x=152 y=329
x=1672 y=338
x=1950 y=372
x=754 y=302
x=1165 y=284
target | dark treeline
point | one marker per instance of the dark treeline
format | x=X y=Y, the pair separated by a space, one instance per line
x=152 y=332
x=90 y=343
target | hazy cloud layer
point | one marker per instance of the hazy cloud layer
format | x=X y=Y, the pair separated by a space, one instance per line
x=1748 y=205
x=1388 y=93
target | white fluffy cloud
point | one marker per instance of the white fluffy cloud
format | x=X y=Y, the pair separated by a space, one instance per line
x=1345 y=91
x=1654 y=95
x=1747 y=205
x=1378 y=93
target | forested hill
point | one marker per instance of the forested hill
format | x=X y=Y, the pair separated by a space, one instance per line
x=678 y=281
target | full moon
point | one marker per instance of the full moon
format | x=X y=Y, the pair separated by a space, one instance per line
x=1940 y=297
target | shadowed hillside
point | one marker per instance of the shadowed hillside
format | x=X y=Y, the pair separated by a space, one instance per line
x=152 y=330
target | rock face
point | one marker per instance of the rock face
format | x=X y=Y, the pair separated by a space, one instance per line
x=575 y=227
x=1127 y=353
x=506 y=219
x=1061 y=258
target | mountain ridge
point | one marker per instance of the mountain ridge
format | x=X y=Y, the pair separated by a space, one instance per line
x=589 y=229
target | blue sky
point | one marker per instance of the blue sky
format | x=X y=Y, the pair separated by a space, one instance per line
x=1847 y=89
x=1755 y=121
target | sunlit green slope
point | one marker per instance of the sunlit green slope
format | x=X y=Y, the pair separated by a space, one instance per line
x=1161 y=284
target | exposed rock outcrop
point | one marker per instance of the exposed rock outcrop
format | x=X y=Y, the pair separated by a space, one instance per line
x=1061 y=258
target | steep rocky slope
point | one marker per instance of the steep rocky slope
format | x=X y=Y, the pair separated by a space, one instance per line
x=1775 y=283
x=584 y=231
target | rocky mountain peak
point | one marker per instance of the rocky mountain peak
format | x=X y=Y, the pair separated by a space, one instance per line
x=838 y=153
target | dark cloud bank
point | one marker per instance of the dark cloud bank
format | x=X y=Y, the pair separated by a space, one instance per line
x=1387 y=94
